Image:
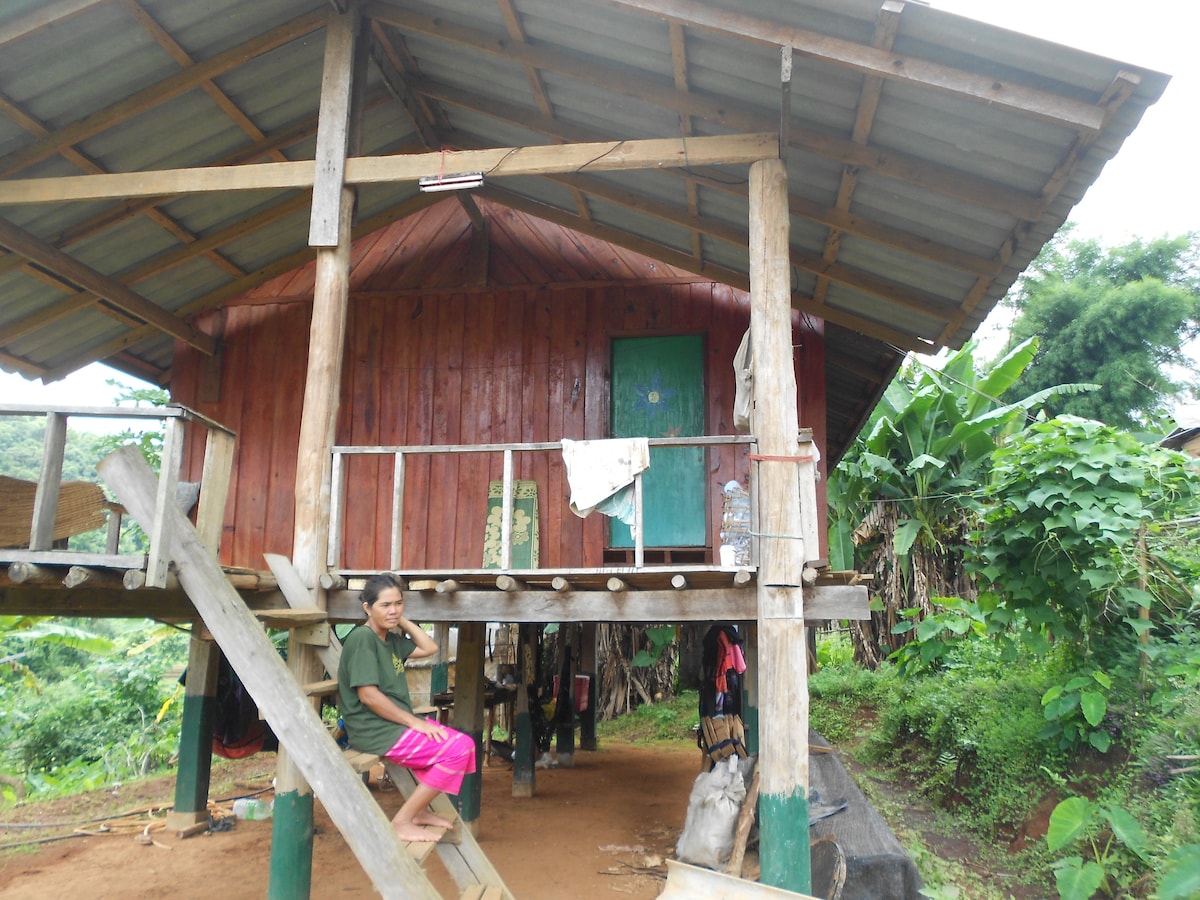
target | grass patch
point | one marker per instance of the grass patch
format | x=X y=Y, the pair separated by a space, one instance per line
x=669 y=720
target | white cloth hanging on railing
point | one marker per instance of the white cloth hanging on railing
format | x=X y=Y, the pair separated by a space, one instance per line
x=601 y=473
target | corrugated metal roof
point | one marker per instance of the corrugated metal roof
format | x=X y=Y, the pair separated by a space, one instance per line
x=917 y=198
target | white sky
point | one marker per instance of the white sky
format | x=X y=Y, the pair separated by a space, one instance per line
x=1147 y=191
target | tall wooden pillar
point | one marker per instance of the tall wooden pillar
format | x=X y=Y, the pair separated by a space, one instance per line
x=783 y=673
x=468 y=714
x=330 y=233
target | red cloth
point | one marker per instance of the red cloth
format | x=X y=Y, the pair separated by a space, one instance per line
x=438 y=764
x=729 y=656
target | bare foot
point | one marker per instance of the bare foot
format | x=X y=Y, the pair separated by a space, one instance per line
x=431 y=819
x=408 y=832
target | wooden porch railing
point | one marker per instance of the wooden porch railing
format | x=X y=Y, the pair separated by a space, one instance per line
x=400 y=454
x=214 y=486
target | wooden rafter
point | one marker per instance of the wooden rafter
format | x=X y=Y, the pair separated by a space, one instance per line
x=160 y=92
x=20 y=241
x=893 y=292
x=889 y=163
x=687 y=263
x=849 y=223
x=394 y=64
x=1078 y=115
x=163 y=262
x=512 y=24
x=163 y=38
x=679 y=66
x=1120 y=90
x=236 y=288
x=86 y=164
x=887 y=24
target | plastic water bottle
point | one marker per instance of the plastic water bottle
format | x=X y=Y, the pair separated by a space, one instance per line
x=252 y=809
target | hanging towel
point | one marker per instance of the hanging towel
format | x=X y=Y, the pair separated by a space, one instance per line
x=600 y=474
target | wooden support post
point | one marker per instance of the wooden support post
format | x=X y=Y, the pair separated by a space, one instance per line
x=564 y=708
x=524 y=747
x=282 y=701
x=200 y=691
x=82 y=576
x=330 y=226
x=587 y=666
x=45 y=500
x=782 y=683
x=468 y=714
x=195 y=739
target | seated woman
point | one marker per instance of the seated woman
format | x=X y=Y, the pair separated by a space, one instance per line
x=377 y=711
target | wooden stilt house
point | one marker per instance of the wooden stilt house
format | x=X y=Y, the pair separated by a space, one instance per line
x=390 y=255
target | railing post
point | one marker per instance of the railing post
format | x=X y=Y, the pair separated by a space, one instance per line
x=168 y=481
x=506 y=513
x=336 y=499
x=45 y=502
x=397 y=511
x=639 y=535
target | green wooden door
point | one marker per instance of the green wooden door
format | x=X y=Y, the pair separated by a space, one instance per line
x=658 y=391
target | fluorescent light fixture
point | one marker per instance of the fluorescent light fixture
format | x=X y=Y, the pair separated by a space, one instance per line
x=460 y=182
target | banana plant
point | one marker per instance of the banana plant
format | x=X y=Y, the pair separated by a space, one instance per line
x=902 y=501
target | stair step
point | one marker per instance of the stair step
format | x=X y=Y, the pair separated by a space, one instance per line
x=321 y=688
x=290 y=618
x=481 y=892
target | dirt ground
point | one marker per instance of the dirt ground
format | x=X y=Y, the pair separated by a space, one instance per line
x=600 y=828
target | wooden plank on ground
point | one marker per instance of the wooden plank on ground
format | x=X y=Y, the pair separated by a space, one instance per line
x=282 y=701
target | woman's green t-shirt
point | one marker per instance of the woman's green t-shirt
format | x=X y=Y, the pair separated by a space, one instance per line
x=366 y=659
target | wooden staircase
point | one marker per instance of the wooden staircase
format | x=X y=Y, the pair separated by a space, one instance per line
x=287 y=707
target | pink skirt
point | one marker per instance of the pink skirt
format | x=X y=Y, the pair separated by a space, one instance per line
x=440 y=765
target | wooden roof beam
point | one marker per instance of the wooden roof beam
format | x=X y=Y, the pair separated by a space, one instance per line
x=494 y=163
x=160 y=92
x=51 y=258
x=1086 y=118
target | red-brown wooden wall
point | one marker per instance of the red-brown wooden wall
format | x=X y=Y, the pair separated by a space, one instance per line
x=431 y=359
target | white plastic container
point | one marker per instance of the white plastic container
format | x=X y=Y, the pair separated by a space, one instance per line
x=252 y=809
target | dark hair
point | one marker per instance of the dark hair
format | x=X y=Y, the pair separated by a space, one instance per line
x=376 y=585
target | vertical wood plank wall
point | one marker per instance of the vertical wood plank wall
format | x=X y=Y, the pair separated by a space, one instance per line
x=445 y=364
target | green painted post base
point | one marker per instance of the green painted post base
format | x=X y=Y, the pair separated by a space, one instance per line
x=783 y=842
x=469 y=799
x=195 y=754
x=750 y=726
x=523 y=750
x=291 y=847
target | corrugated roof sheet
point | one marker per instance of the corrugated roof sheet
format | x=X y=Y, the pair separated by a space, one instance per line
x=915 y=203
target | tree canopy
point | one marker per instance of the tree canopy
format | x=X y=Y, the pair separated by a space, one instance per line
x=1116 y=317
